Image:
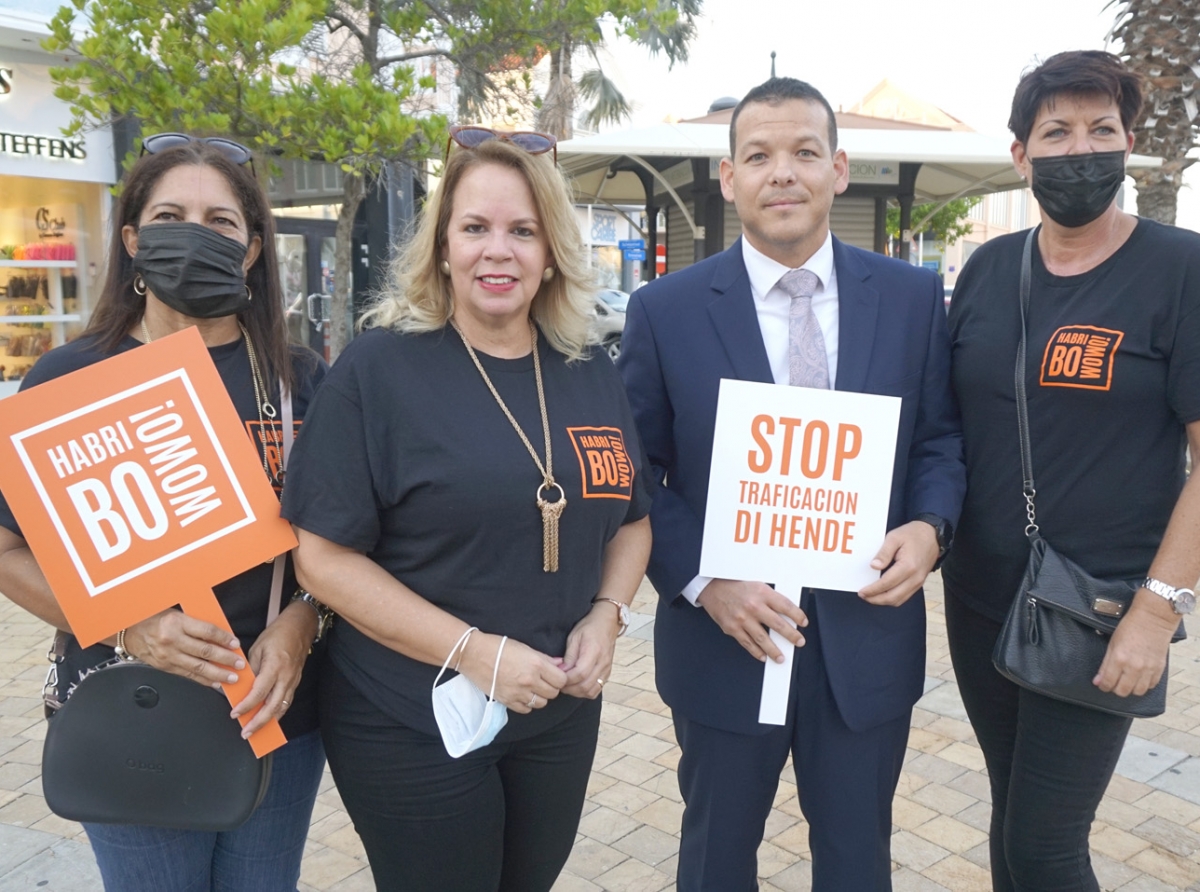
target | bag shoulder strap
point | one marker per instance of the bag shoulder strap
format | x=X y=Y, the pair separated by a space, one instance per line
x=1027 y=487
x=289 y=434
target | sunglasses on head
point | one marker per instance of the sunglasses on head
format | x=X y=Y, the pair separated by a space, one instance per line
x=234 y=151
x=470 y=136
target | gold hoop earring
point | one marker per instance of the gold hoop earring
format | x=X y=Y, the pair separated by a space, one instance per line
x=445 y=267
x=548 y=274
x=139 y=285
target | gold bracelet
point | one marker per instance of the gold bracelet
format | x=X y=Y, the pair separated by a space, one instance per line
x=121 y=650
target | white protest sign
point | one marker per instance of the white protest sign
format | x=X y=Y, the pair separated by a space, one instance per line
x=798 y=496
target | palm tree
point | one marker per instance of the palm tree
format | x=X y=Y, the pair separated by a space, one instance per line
x=662 y=26
x=494 y=67
x=1161 y=40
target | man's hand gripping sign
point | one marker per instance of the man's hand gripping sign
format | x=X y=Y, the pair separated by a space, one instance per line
x=137 y=489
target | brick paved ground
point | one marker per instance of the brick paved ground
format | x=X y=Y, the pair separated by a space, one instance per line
x=1146 y=837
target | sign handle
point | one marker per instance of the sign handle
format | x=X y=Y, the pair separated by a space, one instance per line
x=203 y=605
x=777 y=677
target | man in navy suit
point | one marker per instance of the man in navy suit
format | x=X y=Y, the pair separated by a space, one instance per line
x=861 y=659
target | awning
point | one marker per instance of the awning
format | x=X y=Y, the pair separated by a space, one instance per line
x=953 y=163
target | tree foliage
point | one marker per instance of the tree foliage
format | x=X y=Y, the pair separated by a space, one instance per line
x=1161 y=41
x=265 y=72
x=574 y=27
x=946 y=226
x=338 y=81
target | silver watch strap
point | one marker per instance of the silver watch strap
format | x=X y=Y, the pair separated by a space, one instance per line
x=1163 y=589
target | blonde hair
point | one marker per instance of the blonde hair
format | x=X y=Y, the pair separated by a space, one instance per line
x=418 y=298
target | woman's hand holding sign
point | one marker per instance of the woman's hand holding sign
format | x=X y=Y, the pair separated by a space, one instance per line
x=277 y=659
x=908 y=554
x=175 y=642
x=745 y=611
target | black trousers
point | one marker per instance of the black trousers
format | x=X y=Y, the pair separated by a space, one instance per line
x=499 y=819
x=845 y=779
x=1049 y=763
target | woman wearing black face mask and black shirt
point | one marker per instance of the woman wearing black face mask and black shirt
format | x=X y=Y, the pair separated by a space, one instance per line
x=193 y=245
x=1113 y=382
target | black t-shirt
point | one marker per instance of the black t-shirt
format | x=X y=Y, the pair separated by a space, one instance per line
x=1113 y=376
x=243 y=598
x=407 y=457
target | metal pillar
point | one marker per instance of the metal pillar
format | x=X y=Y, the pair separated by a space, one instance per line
x=880 y=246
x=905 y=194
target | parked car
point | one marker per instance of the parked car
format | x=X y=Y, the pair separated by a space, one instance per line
x=609 y=312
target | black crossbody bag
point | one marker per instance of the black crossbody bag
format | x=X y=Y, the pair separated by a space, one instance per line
x=1062 y=618
x=135 y=745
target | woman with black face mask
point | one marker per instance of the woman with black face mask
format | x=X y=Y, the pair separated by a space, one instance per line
x=193 y=244
x=1112 y=388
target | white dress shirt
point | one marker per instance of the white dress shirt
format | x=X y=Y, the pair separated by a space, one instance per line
x=773 y=306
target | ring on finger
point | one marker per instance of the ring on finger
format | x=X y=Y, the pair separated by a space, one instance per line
x=532 y=701
x=284 y=704
x=600 y=682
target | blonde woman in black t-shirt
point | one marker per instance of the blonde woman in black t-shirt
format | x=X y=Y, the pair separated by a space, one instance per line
x=1113 y=383
x=469 y=493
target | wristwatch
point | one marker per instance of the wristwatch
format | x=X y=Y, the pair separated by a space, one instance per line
x=324 y=614
x=623 y=614
x=1183 y=600
x=944 y=531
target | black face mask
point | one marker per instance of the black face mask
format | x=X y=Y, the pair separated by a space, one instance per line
x=1074 y=190
x=192 y=269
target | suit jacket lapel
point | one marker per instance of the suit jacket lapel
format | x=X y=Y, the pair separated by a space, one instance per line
x=858 y=309
x=736 y=320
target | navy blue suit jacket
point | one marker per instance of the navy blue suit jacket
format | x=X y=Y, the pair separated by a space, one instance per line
x=683 y=334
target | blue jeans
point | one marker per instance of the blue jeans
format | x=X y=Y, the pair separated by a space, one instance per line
x=263 y=855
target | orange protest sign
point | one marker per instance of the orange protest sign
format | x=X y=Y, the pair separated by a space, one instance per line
x=137 y=489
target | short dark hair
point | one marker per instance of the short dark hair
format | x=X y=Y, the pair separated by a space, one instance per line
x=1075 y=73
x=120 y=306
x=775 y=91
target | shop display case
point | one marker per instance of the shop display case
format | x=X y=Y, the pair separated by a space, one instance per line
x=40 y=302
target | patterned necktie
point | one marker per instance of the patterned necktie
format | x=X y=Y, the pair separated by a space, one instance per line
x=808 y=366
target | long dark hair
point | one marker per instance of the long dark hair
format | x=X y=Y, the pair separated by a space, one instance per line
x=120 y=307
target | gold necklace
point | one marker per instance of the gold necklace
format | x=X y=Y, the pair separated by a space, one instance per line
x=551 y=511
x=262 y=400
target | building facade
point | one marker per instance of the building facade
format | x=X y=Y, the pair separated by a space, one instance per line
x=54 y=204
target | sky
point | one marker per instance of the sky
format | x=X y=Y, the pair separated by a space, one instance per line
x=964 y=56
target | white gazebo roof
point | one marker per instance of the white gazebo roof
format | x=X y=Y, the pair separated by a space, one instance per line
x=953 y=163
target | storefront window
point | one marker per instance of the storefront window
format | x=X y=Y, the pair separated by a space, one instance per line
x=54 y=200
x=48 y=268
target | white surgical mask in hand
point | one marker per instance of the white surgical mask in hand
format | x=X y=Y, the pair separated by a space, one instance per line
x=467 y=717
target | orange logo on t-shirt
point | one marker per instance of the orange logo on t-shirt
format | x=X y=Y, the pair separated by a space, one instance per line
x=268 y=440
x=1081 y=356
x=603 y=462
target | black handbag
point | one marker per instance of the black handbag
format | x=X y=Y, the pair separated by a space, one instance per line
x=1062 y=618
x=135 y=745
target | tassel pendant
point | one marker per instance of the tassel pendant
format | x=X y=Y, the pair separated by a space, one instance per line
x=551 y=512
